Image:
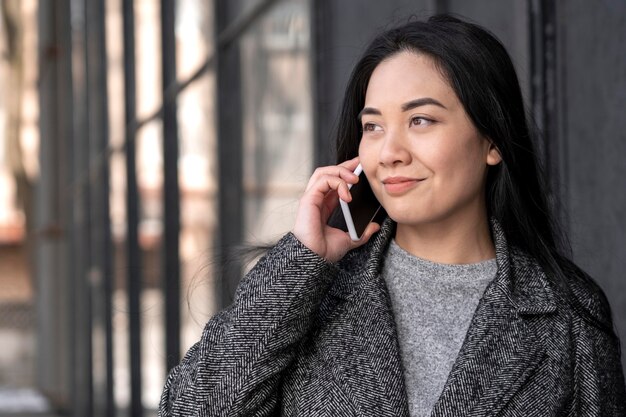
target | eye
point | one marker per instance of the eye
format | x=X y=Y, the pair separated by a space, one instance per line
x=421 y=121
x=371 y=127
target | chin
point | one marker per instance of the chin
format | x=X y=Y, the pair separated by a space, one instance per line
x=413 y=216
x=410 y=217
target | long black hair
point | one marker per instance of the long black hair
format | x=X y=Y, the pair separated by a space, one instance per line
x=481 y=73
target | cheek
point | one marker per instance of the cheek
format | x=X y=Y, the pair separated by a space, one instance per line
x=367 y=155
x=438 y=157
x=363 y=148
x=457 y=165
x=468 y=167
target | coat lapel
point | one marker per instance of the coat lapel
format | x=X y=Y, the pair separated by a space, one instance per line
x=505 y=341
x=370 y=355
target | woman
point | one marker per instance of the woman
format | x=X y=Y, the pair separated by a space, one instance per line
x=460 y=303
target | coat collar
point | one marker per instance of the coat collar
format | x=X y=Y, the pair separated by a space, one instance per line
x=520 y=277
x=521 y=281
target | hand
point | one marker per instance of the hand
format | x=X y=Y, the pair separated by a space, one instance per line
x=326 y=186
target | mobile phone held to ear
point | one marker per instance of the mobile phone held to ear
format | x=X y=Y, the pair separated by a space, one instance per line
x=353 y=217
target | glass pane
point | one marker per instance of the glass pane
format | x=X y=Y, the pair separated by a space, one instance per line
x=197 y=167
x=117 y=202
x=277 y=119
x=19 y=140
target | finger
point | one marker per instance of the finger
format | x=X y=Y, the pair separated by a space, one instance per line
x=348 y=174
x=331 y=201
x=344 y=192
x=351 y=164
x=335 y=171
x=343 y=170
x=370 y=230
x=326 y=184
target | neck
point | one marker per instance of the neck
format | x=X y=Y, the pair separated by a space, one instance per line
x=449 y=241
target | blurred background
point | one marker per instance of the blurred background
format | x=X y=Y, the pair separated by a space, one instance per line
x=141 y=140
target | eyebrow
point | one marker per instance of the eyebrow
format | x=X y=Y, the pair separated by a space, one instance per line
x=405 y=107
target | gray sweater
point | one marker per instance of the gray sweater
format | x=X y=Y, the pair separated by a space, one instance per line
x=433 y=305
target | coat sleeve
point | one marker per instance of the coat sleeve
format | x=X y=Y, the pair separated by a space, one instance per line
x=599 y=378
x=237 y=366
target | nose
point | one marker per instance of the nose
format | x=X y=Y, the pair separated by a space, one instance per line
x=394 y=151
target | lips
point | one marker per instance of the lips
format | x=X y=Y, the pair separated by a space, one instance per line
x=400 y=185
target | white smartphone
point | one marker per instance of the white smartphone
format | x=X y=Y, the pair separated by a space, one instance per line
x=353 y=217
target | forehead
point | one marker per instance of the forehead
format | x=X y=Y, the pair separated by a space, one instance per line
x=407 y=76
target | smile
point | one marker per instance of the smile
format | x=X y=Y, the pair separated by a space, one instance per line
x=400 y=185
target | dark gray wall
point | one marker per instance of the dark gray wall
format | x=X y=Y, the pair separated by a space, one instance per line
x=509 y=21
x=592 y=75
x=586 y=141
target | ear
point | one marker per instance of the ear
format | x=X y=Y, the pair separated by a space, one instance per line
x=493 y=154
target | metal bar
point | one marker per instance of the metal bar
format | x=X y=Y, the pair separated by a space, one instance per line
x=229 y=144
x=100 y=268
x=133 y=255
x=81 y=240
x=53 y=212
x=544 y=94
x=171 y=194
x=537 y=64
x=322 y=19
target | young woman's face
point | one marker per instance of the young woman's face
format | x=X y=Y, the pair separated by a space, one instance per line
x=423 y=157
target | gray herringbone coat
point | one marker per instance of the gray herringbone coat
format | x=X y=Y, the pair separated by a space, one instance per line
x=306 y=338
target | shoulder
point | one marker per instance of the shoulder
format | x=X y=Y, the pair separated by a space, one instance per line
x=585 y=297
